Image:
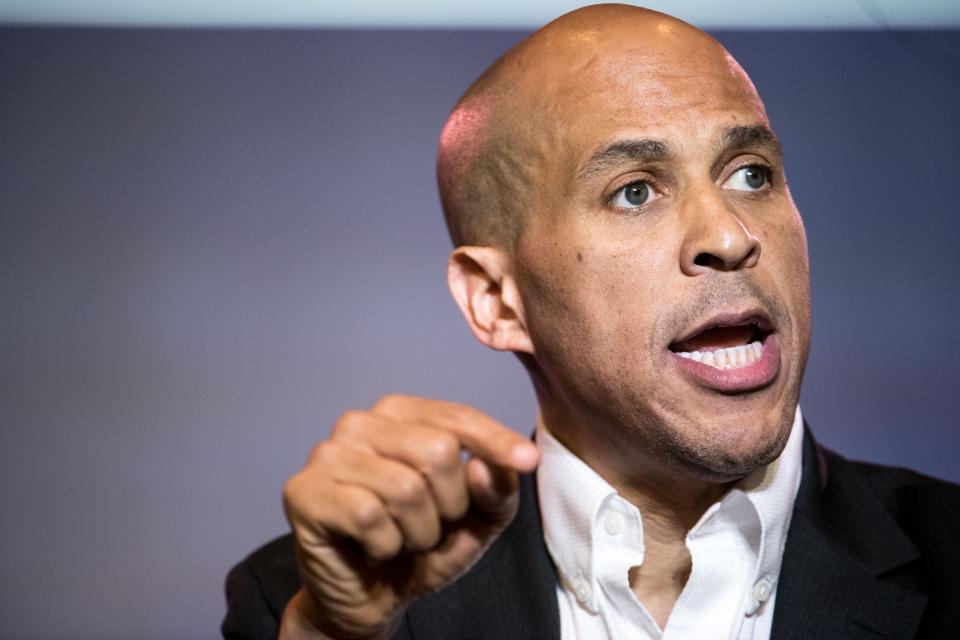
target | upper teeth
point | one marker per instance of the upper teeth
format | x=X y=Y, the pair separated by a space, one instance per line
x=729 y=358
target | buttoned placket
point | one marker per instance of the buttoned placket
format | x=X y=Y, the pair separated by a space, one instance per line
x=618 y=546
x=595 y=537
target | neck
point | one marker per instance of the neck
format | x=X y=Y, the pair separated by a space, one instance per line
x=671 y=499
x=670 y=502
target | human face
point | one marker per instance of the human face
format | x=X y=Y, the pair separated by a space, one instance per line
x=661 y=224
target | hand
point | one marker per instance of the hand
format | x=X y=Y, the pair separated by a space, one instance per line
x=387 y=510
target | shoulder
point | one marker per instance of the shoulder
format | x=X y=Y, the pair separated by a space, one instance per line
x=926 y=508
x=903 y=492
x=881 y=541
x=273 y=566
x=258 y=589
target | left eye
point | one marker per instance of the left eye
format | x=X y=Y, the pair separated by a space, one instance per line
x=750 y=178
x=634 y=195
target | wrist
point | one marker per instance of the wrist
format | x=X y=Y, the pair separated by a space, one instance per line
x=302 y=621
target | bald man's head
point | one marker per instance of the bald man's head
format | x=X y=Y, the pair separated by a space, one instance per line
x=624 y=225
x=495 y=142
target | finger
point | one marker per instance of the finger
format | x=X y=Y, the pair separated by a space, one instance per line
x=321 y=512
x=494 y=491
x=433 y=452
x=404 y=491
x=480 y=434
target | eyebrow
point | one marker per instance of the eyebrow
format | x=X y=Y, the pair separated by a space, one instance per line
x=616 y=153
x=756 y=136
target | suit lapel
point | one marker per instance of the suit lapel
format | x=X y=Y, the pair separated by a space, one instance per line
x=841 y=549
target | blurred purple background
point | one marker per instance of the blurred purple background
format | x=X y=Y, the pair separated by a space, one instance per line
x=214 y=242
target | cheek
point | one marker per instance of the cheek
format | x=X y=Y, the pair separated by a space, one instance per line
x=800 y=275
x=590 y=313
x=786 y=248
x=593 y=292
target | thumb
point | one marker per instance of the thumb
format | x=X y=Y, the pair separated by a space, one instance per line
x=493 y=491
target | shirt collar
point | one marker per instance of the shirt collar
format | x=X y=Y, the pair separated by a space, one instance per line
x=572 y=497
x=773 y=490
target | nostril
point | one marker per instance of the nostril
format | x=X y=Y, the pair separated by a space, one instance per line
x=704 y=259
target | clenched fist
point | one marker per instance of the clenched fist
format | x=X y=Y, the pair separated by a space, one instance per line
x=388 y=509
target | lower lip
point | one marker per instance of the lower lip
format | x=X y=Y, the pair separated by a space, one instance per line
x=749 y=378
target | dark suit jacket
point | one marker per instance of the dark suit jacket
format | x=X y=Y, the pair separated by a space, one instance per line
x=872 y=552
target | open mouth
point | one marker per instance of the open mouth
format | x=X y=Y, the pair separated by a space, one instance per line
x=731 y=342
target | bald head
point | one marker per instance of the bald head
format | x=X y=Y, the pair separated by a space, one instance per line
x=585 y=65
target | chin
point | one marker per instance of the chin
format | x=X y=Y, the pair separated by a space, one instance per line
x=725 y=451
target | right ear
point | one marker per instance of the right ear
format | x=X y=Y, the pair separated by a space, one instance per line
x=486 y=292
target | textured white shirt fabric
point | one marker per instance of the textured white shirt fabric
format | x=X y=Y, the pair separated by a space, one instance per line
x=594 y=537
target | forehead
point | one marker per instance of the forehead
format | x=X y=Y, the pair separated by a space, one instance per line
x=647 y=89
x=681 y=88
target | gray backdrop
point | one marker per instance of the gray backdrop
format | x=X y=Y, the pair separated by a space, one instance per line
x=214 y=242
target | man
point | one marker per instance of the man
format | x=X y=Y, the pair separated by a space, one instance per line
x=622 y=223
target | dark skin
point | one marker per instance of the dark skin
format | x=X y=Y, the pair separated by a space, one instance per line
x=654 y=197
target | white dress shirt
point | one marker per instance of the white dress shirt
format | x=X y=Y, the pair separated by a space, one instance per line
x=594 y=537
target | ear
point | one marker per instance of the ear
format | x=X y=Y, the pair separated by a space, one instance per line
x=483 y=287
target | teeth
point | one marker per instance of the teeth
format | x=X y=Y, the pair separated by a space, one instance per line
x=729 y=358
x=721 y=356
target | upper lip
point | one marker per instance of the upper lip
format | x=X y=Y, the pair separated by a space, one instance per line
x=755 y=316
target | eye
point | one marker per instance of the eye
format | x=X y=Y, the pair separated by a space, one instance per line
x=753 y=177
x=633 y=195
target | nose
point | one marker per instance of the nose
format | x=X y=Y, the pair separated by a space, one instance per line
x=716 y=238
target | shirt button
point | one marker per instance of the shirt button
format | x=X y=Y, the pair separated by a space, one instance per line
x=613 y=523
x=582 y=590
x=762 y=590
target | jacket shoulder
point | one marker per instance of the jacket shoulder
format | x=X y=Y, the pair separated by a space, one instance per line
x=907 y=492
x=893 y=478
x=927 y=511
x=258 y=589
x=926 y=508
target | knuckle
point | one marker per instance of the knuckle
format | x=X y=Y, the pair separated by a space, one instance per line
x=460 y=414
x=410 y=489
x=323 y=453
x=465 y=412
x=349 y=424
x=442 y=450
x=296 y=505
x=389 y=401
x=368 y=513
x=292 y=489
